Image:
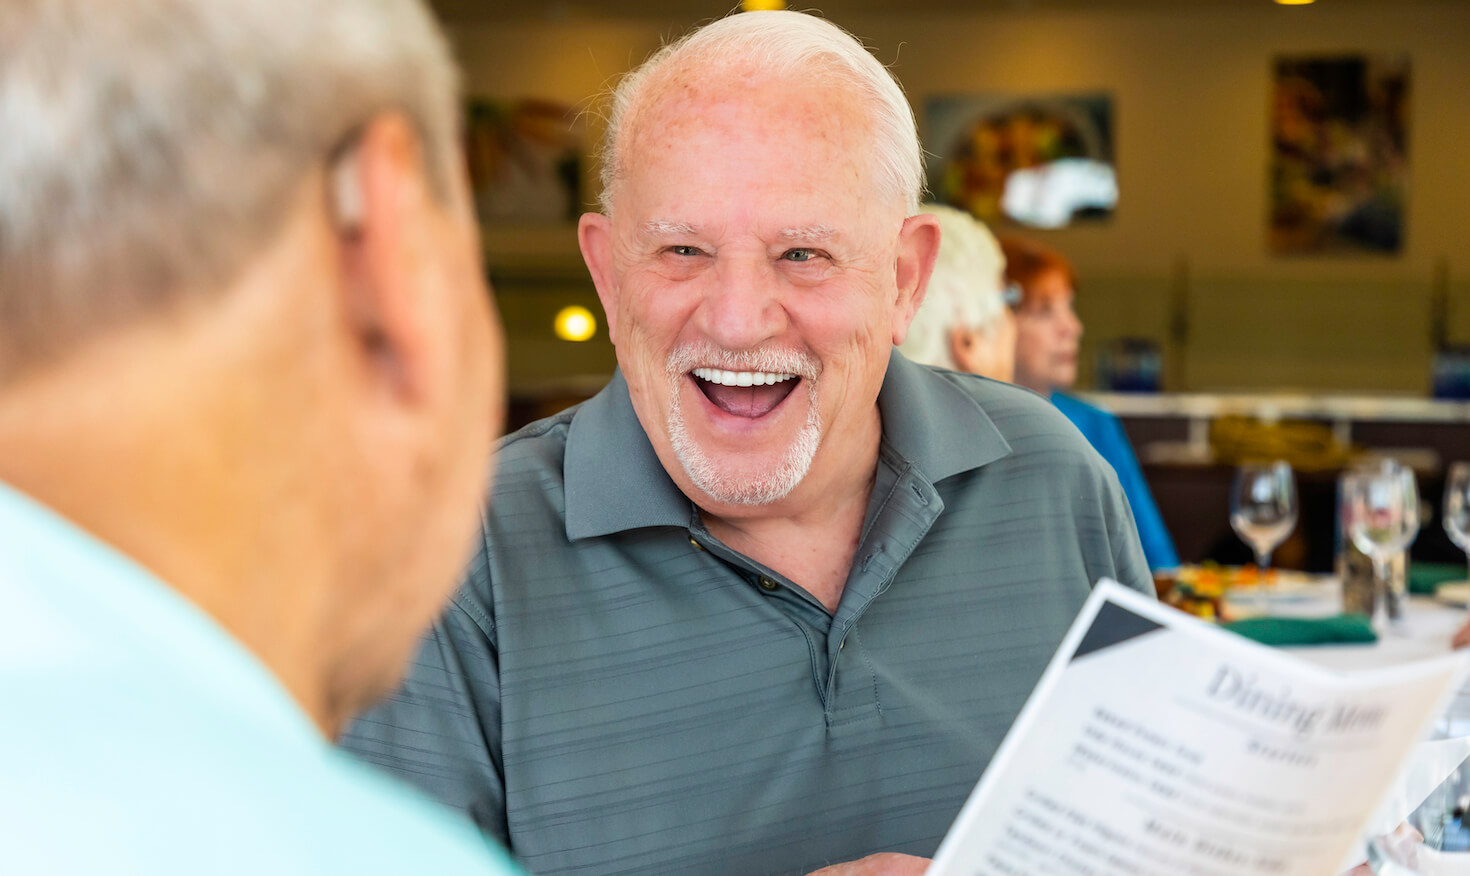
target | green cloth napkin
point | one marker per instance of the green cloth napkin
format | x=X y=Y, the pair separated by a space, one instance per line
x=1336 y=630
x=1425 y=578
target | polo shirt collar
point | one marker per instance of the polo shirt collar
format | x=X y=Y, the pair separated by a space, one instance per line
x=933 y=423
x=615 y=481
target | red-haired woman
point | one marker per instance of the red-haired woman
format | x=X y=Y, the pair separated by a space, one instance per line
x=1048 y=333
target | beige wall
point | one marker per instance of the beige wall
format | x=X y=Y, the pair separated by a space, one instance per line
x=1191 y=94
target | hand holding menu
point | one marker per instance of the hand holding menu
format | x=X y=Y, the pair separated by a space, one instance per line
x=1155 y=745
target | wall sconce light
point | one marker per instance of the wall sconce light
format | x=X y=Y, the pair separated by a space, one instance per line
x=575 y=323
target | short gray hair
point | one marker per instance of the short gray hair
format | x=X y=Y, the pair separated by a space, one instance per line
x=777 y=44
x=964 y=290
x=150 y=147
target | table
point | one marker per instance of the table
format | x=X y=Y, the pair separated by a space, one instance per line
x=1428 y=627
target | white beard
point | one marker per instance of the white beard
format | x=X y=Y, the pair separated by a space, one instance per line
x=707 y=472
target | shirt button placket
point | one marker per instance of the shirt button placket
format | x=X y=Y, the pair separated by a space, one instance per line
x=769 y=584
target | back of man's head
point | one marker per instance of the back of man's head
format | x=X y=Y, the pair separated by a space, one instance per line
x=244 y=333
x=773 y=45
x=964 y=291
x=151 y=146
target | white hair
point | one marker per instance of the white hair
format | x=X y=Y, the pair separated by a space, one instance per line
x=964 y=290
x=150 y=147
x=776 y=44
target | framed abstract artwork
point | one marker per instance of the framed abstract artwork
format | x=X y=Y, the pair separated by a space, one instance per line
x=1339 y=153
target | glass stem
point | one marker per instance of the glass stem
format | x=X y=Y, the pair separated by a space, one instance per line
x=1381 y=596
x=1263 y=559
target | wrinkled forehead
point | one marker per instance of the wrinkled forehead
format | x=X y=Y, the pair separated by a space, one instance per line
x=739 y=127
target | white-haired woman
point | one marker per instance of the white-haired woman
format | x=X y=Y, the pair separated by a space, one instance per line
x=964 y=323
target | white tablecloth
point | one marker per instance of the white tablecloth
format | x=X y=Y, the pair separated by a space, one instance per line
x=1427 y=628
x=1425 y=632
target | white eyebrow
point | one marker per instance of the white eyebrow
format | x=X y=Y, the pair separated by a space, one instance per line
x=660 y=227
x=812 y=233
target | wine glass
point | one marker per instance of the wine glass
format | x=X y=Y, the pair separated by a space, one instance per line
x=1457 y=506
x=1263 y=508
x=1382 y=515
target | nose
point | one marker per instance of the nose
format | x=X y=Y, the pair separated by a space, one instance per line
x=1072 y=325
x=743 y=306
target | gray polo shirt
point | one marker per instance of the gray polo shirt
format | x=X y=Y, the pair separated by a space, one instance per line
x=615 y=691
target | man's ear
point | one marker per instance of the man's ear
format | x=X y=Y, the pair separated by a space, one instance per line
x=918 y=246
x=594 y=235
x=384 y=215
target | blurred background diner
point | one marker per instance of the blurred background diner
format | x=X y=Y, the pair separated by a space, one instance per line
x=1048 y=336
x=1265 y=204
x=965 y=323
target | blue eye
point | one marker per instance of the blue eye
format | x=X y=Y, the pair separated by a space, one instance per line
x=798 y=255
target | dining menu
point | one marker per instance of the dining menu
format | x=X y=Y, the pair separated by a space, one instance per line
x=1156 y=744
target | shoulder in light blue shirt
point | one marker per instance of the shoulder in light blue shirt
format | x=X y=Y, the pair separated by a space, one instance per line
x=1105 y=432
x=139 y=737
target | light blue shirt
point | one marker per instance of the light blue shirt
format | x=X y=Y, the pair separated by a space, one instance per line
x=138 y=737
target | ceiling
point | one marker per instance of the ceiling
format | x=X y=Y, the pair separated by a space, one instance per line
x=471 y=11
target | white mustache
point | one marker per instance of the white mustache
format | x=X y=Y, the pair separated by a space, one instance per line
x=769 y=359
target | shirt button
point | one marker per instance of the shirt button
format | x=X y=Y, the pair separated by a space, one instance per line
x=697 y=545
x=769 y=584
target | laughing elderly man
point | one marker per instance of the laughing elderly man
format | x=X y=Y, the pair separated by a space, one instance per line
x=771 y=599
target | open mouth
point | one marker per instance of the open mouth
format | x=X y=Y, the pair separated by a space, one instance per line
x=748 y=394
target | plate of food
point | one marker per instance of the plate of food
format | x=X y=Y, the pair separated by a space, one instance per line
x=1230 y=593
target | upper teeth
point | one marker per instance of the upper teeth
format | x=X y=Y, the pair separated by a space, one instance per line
x=740 y=378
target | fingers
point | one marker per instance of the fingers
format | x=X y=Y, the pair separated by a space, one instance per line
x=1462 y=636
x=883 y=864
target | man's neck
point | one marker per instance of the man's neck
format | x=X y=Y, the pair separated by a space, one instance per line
x=155 y=476
x=811 y=536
